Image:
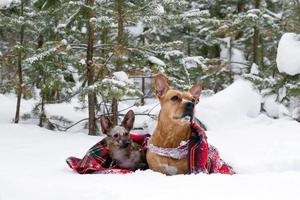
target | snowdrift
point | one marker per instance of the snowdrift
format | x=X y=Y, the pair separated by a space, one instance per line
x=5 y=3
x=288 y=59
x=237 y=102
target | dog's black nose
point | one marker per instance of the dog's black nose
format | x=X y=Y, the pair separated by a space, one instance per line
x=189 y=105
x=125 y=143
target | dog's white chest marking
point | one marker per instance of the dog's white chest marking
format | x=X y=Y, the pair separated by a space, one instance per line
x=179 y=152
x=169 y=169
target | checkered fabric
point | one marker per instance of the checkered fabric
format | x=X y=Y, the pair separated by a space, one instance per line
x=203 y=157
x=97 y=159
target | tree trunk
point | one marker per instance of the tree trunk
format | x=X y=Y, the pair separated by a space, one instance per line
x=104 y=40
x=118 y=53
x=230 y=60
x=40 y=43
x=240 y=8
x=114 y=110
x=1 y=76
x=19 y=70
x=119 y=8
x=256 y=36
x=42 y=114
x=188 y=41
x=91 y=70
x=255 y=45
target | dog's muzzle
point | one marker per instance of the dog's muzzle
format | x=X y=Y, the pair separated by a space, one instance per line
x=125 y=144
x=188 y=110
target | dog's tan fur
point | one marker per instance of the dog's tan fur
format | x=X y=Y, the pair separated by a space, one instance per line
x=171 y=129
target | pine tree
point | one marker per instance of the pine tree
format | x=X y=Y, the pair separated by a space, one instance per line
x=64 y=48
x=19 y=20
x=48 y=74
x=271 y=19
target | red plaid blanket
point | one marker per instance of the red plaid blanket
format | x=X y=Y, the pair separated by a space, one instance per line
x=97 y=159
x=203 y=157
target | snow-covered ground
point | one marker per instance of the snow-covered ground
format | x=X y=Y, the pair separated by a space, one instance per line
x=265 y=152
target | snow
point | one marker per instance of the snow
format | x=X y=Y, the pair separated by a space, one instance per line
x=264 y=152
x=271 y=106
x=64 y=42
x=192 y=61
x=83 y=30
x=237 y=102
x=254 y=69
x=7 y=107
x=284 y=111
x=281 y=93
x=5 y=3
x=156 y=61
x=118 y=85
x=173 y=53
x=82 y=62
x=136 y=30
x=238 y=59
x=274 y=108
x=288 y=59
x=195 y=13
x=296 y=113
x=68 y=111
x=44 y=54
x=122 y=76
x=73 y=28
x=159 y=9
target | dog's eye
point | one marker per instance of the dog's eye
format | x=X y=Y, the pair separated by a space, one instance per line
x=175 y=98
x=115 y=135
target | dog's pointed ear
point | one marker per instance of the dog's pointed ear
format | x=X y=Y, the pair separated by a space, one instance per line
x=161 y=85
x=128 y=120
x=195 y=90
x=105 y=124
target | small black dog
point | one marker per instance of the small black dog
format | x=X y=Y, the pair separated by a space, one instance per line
x=126 y=153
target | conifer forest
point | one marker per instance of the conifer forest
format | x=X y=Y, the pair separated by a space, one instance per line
x=54 y=50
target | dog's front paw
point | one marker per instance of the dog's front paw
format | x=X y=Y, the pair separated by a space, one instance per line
x=143 y=166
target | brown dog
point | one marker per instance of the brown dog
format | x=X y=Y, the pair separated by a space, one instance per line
x=126 y=153
x=173 y=126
